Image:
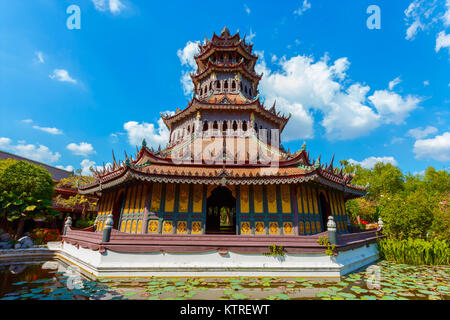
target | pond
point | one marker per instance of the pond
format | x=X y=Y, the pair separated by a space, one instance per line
x=54 y=280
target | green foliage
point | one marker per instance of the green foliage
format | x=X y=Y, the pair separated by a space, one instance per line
x=331 y=249
x=76 y=201
x=415 y=251
x=26 y=191
x=275 y=250
x=84 y=224
x=410 y=205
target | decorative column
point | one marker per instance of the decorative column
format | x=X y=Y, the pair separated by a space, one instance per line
x=380 y=223
x=67 y=224
x=107 y=229
x=331 y=227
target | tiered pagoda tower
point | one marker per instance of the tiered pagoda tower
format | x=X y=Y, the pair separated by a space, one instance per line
x=223 y=170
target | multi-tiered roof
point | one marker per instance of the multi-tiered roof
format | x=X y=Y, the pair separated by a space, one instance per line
x=225 y=106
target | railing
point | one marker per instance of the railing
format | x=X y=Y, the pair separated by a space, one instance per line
x=175 y=243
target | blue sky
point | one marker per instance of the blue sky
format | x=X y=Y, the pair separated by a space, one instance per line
x=68 y=97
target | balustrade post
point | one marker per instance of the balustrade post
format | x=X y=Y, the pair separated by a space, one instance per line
x=108 y=227
x=67 y=224
x=331 y=227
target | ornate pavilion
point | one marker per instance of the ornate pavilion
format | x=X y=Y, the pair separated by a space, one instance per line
x=224 y=170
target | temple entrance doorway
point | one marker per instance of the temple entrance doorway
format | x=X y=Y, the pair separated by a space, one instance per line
x=118 y=204
x=221 y=212
x=325 y=210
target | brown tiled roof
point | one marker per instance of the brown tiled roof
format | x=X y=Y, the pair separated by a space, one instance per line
x=57 y=174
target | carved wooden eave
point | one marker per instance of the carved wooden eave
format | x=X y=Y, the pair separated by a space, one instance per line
x=197 y=105
x=213 y=67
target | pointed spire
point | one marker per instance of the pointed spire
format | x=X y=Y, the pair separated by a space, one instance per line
x=144 y=143
x=114 y=160
x=330 y=167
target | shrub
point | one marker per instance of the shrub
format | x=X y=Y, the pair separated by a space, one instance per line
x=415 y=251
x=42 y=235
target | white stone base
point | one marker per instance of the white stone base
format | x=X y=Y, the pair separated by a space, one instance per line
x=212 y=264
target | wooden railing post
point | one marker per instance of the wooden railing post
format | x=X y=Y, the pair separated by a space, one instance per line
x=108 y=227
x=331 y=227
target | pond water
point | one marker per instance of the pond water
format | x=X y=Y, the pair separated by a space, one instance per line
x=54 y=280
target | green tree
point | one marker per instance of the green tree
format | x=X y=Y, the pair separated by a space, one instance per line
x=26 y=192
x=77 y=201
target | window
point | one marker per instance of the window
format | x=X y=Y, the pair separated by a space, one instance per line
x=225 y=84
x=205 y=126
x=235 y=126
x=218 y=84
x=224 y=126
x=244 y=126
x=215 y=125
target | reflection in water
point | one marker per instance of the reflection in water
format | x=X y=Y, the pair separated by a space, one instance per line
x=55 y=280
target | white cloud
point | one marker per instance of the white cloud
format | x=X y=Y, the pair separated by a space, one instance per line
x=62 y=75
x=446 y=17
x=419 y=133
x=370 y=162
x=426 y=83
x=153 y=136
x=303 y=7
x=442 y=41
x=392 y=107
x=27 y=121
x=87 y=164
x=40 y=57
x=48 y=130
x=247 y=9
x=82 y=149
x=114 y=6
x=186 y=56
x=303 y=86
x=39 y=153
x=437 y=148
x=67 y=168
x=394 y=82
x=251 y=35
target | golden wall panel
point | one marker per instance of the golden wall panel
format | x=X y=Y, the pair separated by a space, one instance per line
x=198 y=199
x=299 y=198
x=244 y=195
x=156 y=197
x=184 y=198
x=313 y=227
x=305 y=199
x=139 y=226
x=307 y=227
x=133 y=199
x=258 y=199
x=287 y=228
x=272 y=198
x=128 y=229
x=181 y=227
x=286 y=198
x=123 y=225
x=167 y=227
x=126 y=208
x=310 y=206
x=316 y=207
x=259 y=227
x=318 y=227
x=301 y=227
x=196 y=227
x=137 y=198
x=273 y=228
x=133 y=226
x=153 y=226
x=170 y=198
x=143 y=197
x=245 y=227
